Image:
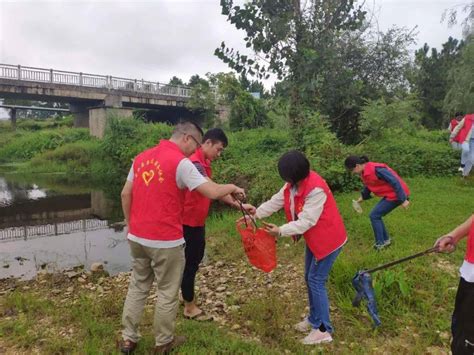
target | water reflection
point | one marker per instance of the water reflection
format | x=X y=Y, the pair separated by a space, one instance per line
x=55 y=227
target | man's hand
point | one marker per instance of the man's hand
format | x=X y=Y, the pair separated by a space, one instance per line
x=445 y=244
x=239 y=193
x=272 y=229
x=405 y=204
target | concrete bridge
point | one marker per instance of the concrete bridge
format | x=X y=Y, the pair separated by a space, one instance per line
x=91 y=97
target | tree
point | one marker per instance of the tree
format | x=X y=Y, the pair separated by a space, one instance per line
x=325 y=53
x=430 y=79
x=292 y=40
x=175 y=81
x=460 y=94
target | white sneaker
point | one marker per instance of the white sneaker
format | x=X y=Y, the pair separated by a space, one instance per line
x=317 y=337
x=460 y=169
x=303 y=326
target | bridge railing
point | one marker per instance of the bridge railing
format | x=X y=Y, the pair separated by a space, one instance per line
x=18 y=72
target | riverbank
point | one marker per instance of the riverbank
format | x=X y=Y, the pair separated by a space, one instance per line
x=254 y=312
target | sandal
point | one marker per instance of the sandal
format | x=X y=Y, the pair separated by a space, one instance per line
x=201 y=317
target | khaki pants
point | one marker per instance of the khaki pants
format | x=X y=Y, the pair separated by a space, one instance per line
x=166 y=266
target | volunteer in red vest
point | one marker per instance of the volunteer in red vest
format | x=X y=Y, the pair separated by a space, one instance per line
x=452 y=125
x=463 y=134
x=384 y=182
x=196 y=209
x=152 y=203
x=311 y=211
x=462 y=326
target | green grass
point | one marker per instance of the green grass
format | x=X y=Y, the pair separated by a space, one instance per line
x=415 y=298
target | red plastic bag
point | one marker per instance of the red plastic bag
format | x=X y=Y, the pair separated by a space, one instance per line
x=259 y=246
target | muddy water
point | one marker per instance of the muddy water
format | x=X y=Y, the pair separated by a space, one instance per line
x=50 y=224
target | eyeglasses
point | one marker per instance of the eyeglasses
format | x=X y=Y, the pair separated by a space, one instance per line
x=195 y=140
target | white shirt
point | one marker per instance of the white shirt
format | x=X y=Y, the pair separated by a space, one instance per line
x=307 y=218
x=467 y=271
x=187 y=177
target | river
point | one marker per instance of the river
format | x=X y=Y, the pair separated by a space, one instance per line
x=50 y=223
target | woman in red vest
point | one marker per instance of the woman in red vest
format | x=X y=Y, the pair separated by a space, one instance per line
x=311 y=211
x=463 y=134
x=381 y=180
x=462 y=325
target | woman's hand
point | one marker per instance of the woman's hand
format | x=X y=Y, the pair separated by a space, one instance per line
x=445 y=244
x=272 y=229
x=405 y=204
x=249 y=208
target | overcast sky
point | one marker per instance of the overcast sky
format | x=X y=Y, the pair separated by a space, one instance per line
x=157 y=39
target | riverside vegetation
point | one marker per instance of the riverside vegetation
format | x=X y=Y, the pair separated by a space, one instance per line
x=254 y=312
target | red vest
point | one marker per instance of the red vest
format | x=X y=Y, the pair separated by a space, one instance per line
x=470 y=244
x=196 y=206
x=454 y=122
x=157 y=202
x=329 y=232
x=464 y=131
x=378 y=186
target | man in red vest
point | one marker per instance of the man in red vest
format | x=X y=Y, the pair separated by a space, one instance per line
x=196 y=209
x=462 y=326
x=152 y=203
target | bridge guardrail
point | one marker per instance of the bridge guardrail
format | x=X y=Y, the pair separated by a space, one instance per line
x=18 y=72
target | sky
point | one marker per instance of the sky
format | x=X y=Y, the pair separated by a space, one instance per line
x=154 y=40
x=157 y=39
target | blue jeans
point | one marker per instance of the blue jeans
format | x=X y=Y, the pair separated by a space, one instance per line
x=381 y=209
x=316 y=274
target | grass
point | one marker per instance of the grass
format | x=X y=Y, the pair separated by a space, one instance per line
x=415 y=299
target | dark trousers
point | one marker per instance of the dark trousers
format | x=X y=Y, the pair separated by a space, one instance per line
x=462 y=325
x=194 y=252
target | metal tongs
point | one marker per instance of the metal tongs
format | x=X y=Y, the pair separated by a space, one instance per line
x=245 y=213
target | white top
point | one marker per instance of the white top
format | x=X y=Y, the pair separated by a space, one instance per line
x=307 y=218
x=187 y=177
x=467 y=271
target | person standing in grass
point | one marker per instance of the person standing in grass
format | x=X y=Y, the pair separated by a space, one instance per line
x=384 y=182
x=463 y=134
x=462 y=325
x=152 y=203
x=311 y=211
x=196 y=209
x=452 y=125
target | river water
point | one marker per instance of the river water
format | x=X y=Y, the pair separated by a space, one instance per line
x=49 y=223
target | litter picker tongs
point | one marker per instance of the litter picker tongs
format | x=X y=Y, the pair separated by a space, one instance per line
x=245 y=214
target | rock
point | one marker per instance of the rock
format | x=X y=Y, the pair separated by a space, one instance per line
x=235 y=327
x=72 y=274
x=97 y=267
x=56 y=291
x=70 y=289
x=221 y=288
x=220 y=264
x=81 y=279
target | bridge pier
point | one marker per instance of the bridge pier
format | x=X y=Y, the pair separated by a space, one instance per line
x=13 y=117
x=80 y=112
x=98 y=118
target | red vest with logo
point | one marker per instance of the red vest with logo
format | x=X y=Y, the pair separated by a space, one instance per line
x=470 y=244
x=464 y=131
x=329 y=232
x=196 y=206
x=157 y=202
x=378 y=186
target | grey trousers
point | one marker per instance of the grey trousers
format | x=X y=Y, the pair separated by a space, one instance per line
x=166 y=266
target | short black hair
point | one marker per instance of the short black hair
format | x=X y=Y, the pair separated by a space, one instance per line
x=216 y=135
x=352 y=160
x=293 y=166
